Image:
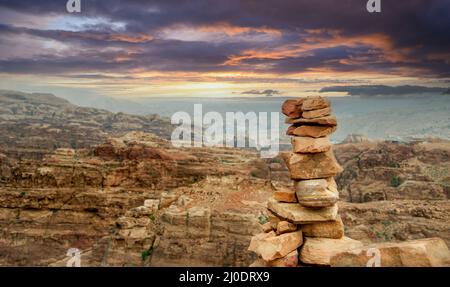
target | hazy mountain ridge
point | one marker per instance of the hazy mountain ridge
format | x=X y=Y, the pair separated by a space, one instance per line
x=33 y=125
x=111 y=104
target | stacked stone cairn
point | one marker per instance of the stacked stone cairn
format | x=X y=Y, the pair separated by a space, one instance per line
x=302 y=225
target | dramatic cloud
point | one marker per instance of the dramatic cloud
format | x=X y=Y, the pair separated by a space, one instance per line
x=295 y=42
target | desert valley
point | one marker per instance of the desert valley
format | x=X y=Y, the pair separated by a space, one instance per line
x=113 y=186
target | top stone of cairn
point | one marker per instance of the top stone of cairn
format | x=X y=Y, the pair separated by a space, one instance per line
x=315 y=103
x=307 y=106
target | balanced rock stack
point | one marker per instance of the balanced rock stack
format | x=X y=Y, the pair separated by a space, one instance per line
x=303 y=226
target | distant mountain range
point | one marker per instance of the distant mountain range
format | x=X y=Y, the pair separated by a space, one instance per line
x=34 y=124
x=382 y=90
x=111 y=104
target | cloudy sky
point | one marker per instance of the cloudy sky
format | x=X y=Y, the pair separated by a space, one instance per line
x=221 y=48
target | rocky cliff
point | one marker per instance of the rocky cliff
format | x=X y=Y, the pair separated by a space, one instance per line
x=390 y=171
x=395 y=191
x=95 y=200
x=134 y=200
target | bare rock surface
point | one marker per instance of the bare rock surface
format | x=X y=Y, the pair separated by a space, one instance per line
x=319 y=251
x=310 y=145
x=312 y=166
x=429 y=252
x=327 y=229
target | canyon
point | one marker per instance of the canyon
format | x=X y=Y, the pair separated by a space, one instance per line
x=113 y=186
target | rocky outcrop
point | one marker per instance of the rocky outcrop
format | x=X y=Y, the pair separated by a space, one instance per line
x=390 y=171
x=199 y=232
x=144 y=162
x=112 y=202
x=355 y=138
x=399 y=220
x=186 y=232
x=430 y=252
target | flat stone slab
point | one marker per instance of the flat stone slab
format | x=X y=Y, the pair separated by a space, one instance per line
x=327 y=229
x=319 y=251
x=323 y=121
x=310 y=145
x=274 y=247
x=310 y=131
x=312 y=165
x=298 y=214
x=316 y=113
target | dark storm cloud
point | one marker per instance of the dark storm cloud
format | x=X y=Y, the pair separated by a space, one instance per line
x=419 y=30
x=162 y=55
x=408 y=22
x=88 y=37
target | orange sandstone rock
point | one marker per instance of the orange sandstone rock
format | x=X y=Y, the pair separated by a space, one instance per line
x=327 y=229
x=311 y=131
x=292 y=108
x=429 y=252
x=312 y=166
x=274 y=247
x=310 y=145
x=285 y=226
x=316 y=113
x=315 y=103
x=323 y=121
